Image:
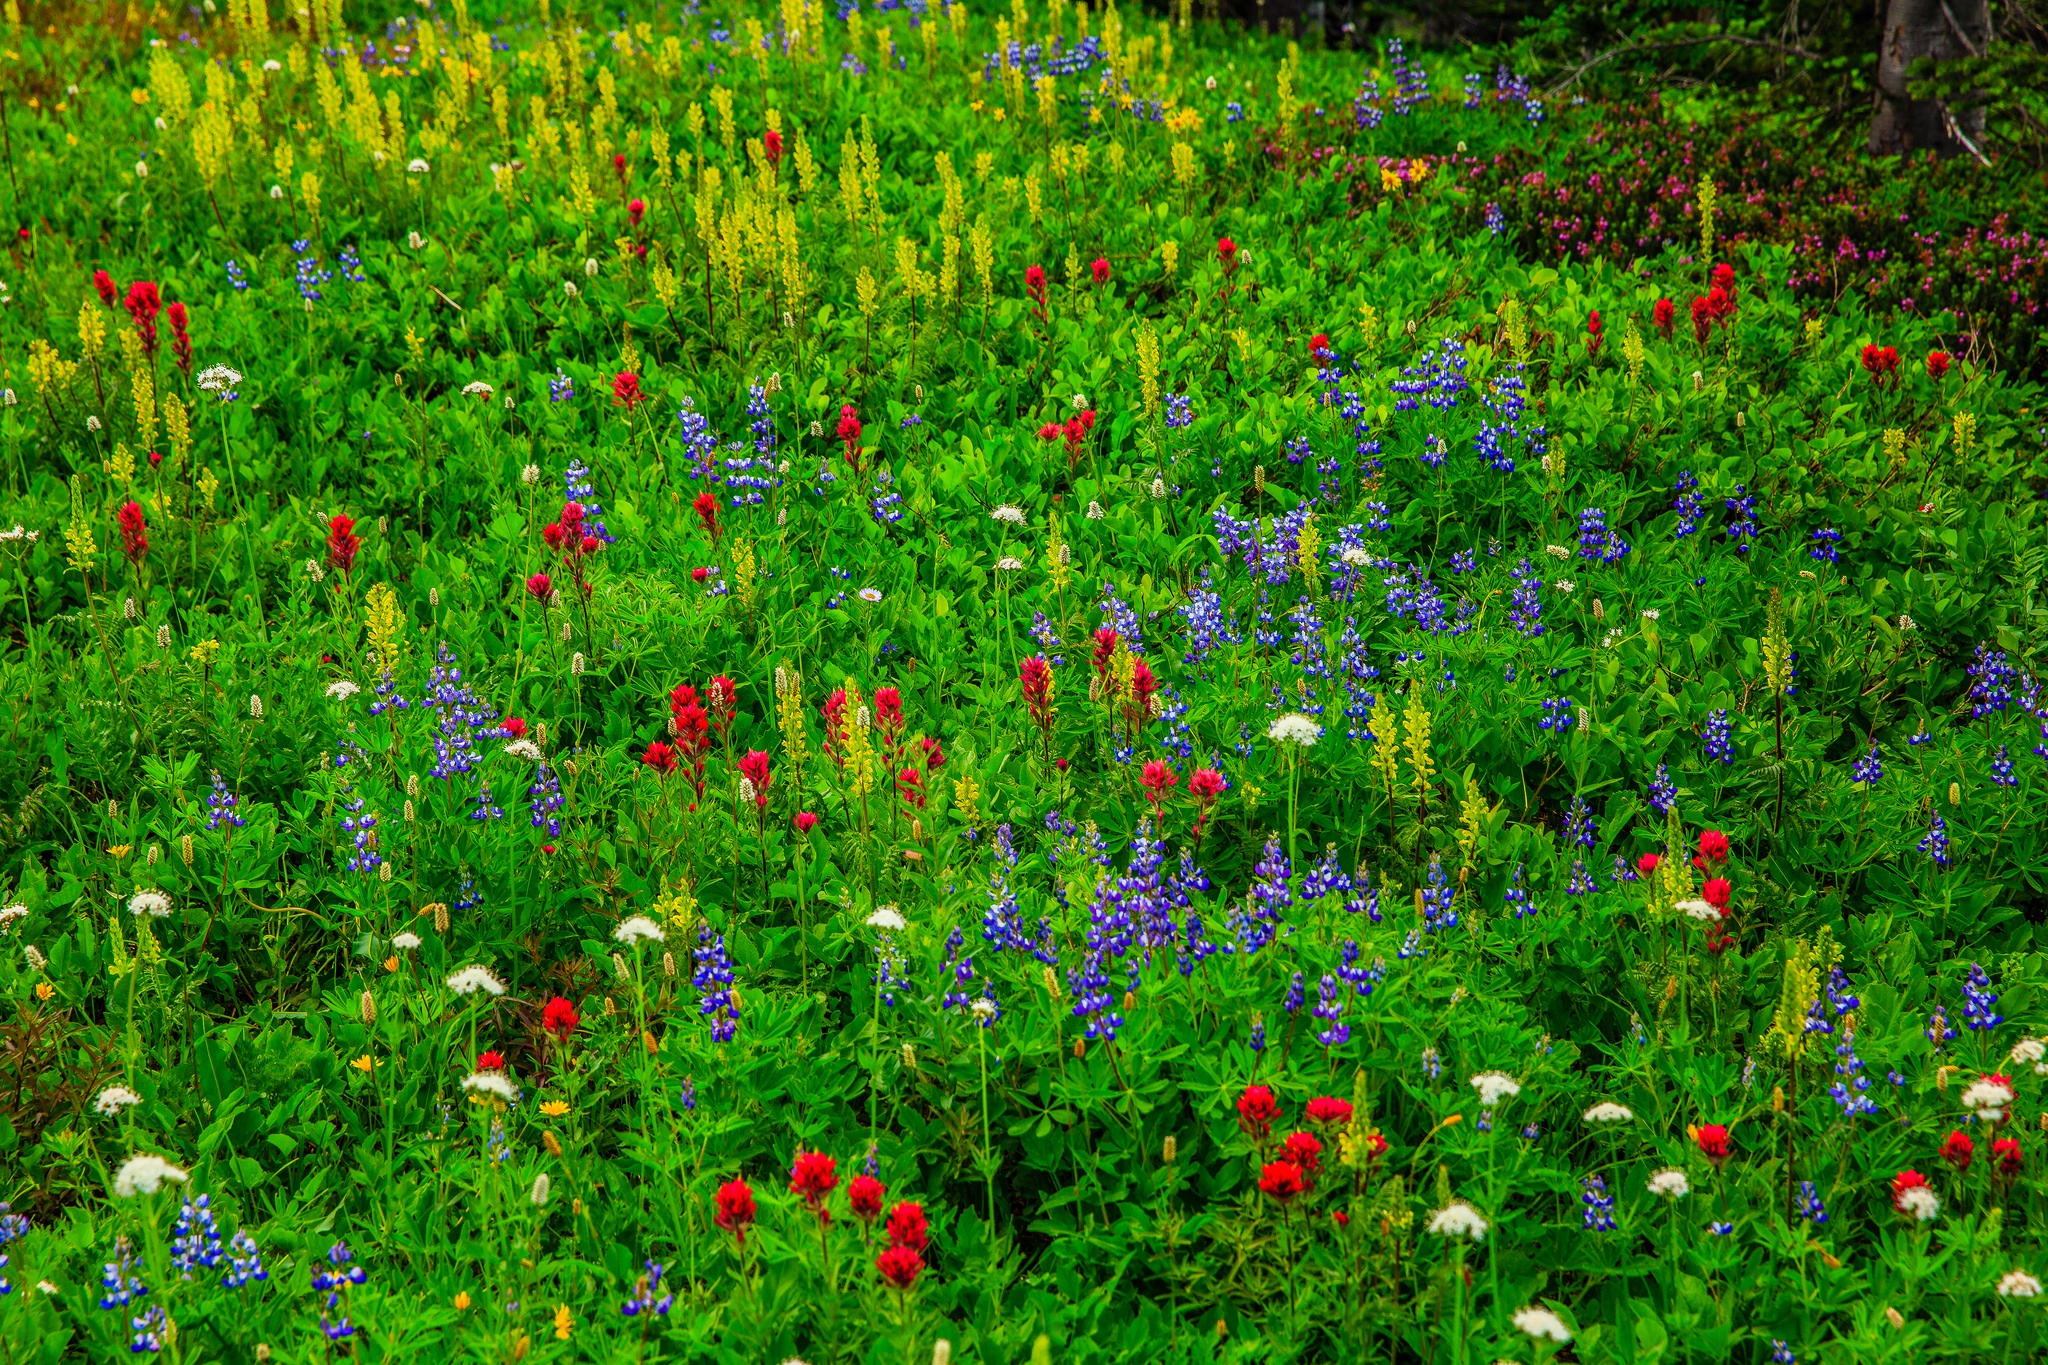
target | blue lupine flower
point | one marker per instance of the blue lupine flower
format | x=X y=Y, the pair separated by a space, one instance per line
x=220 y=805
x=1663 y=791
x=1599 y=1204
x=1824 y=542
x=1980 y=1001
x=1742 y=524
x=1719 y=736
x=1869 y=769
x=648 y=1296
x=1935 y=842
x=1688 y=502
x=713 y=981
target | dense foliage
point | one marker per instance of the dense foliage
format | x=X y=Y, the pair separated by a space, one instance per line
x=785 y=684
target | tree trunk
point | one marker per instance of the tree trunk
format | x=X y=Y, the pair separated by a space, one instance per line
x=1941 y=31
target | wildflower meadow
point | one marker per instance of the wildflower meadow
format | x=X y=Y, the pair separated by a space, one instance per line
x=908 y=682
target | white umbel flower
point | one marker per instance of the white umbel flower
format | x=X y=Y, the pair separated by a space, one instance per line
x=983 y=1008
x=470 y=980
x=1010 y=513
x=1495 y=1086
x=1988 y=1099
x=1009 y=563
x=218 y=378
x=114 y=1099
x=10 y=914
x=1670 y=1183
x=1698 y=909
x=406 y=939
x=887 y=918
x=2018 y=1284
x=1294 y=728
x=144 y=1175
x=478 y=388
x=1355 y=556
x=1921 y=1202
x=2025 y=1051
x=341 y=689
x=1607 y=1111
x=636 y=928
x=524 y=748
x=494 y=1083
x=155 y=904
x=1458 y=1219
x=1543 y=1324
x=417 y=166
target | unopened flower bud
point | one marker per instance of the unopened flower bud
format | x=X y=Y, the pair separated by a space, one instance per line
x=552 y=1143
x=440 y=918
x=384 y=873
x=668 y=964
x=647 y=1041
x=185 y=849
x=1955 y=793
x=1599 y=610
x=408 y=811
x=576 y=664
x=163 y=637
x=1130 y=1001
x=1895 y=1318
x=153 y=854
x=909 y=1057
x=1080 y=1049
x=1169 y=1149
x=368 y=1008
x=942 y=1352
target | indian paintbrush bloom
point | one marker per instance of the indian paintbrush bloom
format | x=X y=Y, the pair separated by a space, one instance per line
x=814 y=1177
x=1283 y=1181
x=1256 y=1110
x=134 y=532
x=735 y=1209
x=1712 y=1140
x=342 y=541
x=559 y=1019
x=1958 y=1151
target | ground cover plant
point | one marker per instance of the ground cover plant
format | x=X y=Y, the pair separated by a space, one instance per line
x=906 y=684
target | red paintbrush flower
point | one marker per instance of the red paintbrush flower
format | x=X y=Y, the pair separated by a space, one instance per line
x=1034 y=285
x=806 y=821
x=134 y=532
x=636 y=209
x=1712 y=1140
x=342 y=541
x=1282 y=1180
x=1958 y=1151
x=661 y=757
x=1648 y=863
x=1100 y=269
x=907 y=1225
x=911 y=786
x=490 y=1061
x=1329 y=1111
x=1306 y=1151
x=706 y=506
x=814 y=1177
x=559 y=1019
x=2006 y=1153
x=1226 y=251
x=1937 y=364
x=1663 y=315
x=735 y=1205
x=864 y=1193
x=754 y=767
x=1717 y=893
x=1159 y=780
x=900 y=1266
x=513 y=726
x=1882 y=362
x=109 y=292
x=626 y=390
x=181 y=336
x=539 y=587
x=1713 y=848
x=771 y=147
x=1256 y=1110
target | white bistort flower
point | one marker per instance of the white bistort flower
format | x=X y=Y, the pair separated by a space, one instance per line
x=634 y=928
x=1988 y=1097
x=114 y=1099
x=540 y=1190
x=1294 y=728
x=155 y=904
x=2018 y=1284
x=470 y=980
x=417 y=166
x=1009 y=563
x=1607 y=1111
x=494 y=1083
x=1495 y=1086
x=1543 y=1324
x=144 y=1175
x=1670 y=1183
x=1458 y=1219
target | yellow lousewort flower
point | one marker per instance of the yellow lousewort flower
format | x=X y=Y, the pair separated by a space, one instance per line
x=121 y=467
x=309 y=193
x=1966 y=434
x=1709 y=197
x=1416 y=721
x=92 y=329
x=1169 y=256
x=381 y=612
x=1777 y=649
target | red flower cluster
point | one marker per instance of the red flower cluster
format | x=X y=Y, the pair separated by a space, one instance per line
x=1036 y=677
x=1159 y=780
x=771 y=147
x=626 y=390
x=754 y=767
x=540 y=587
x=1099 y=268
x=512 y=727
x=636 y=209
x=735 y=1209
x=619 y=166
x=1283 y=1181
x=1203 y=788
x=1958 y=1151
x=848 y=432
x=1329 y=1111
x=815 y=1176
x=1226 y=252
x=1906 y=1180
x=1713 y=849
x=1648 y=863
x=902 y=1261
x=864 y=1193
x=144 y=303
x=1319 y=345
x=660 y=756
x=1306 y=1151
x=1663 y=315
x=1712 y=1140
x=566 y=534
x=342 y=542
x=490 y=1061
x=2005 y=1152
x=1034 y=285
x=1938 y=363
x=1881 y=362
x=1716 y=307
x=805 y=822
x=1256 y=1110
x=1105 y=650
x=134 y=532
x=1074 y=432
x=706 y=507
x=181 y=336
x=559 y=1019
x=109 y=292
x=1594 y=336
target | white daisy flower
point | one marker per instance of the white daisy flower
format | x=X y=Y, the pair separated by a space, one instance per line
x=495 y=1083
x=1607 y=1111
x=406 y=939
x=1495 y=1086
x=114 y=1099
x=1294 y=728
x=1670 y=1183
x=887 y=918
x=635 y=928
x=1543 y=1324
x=1458 y=1219
x=1010 y=513
x=470 y=980
x=870 y=594
x=152 y=903
x=144 y=1175
x=2018 y=1284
